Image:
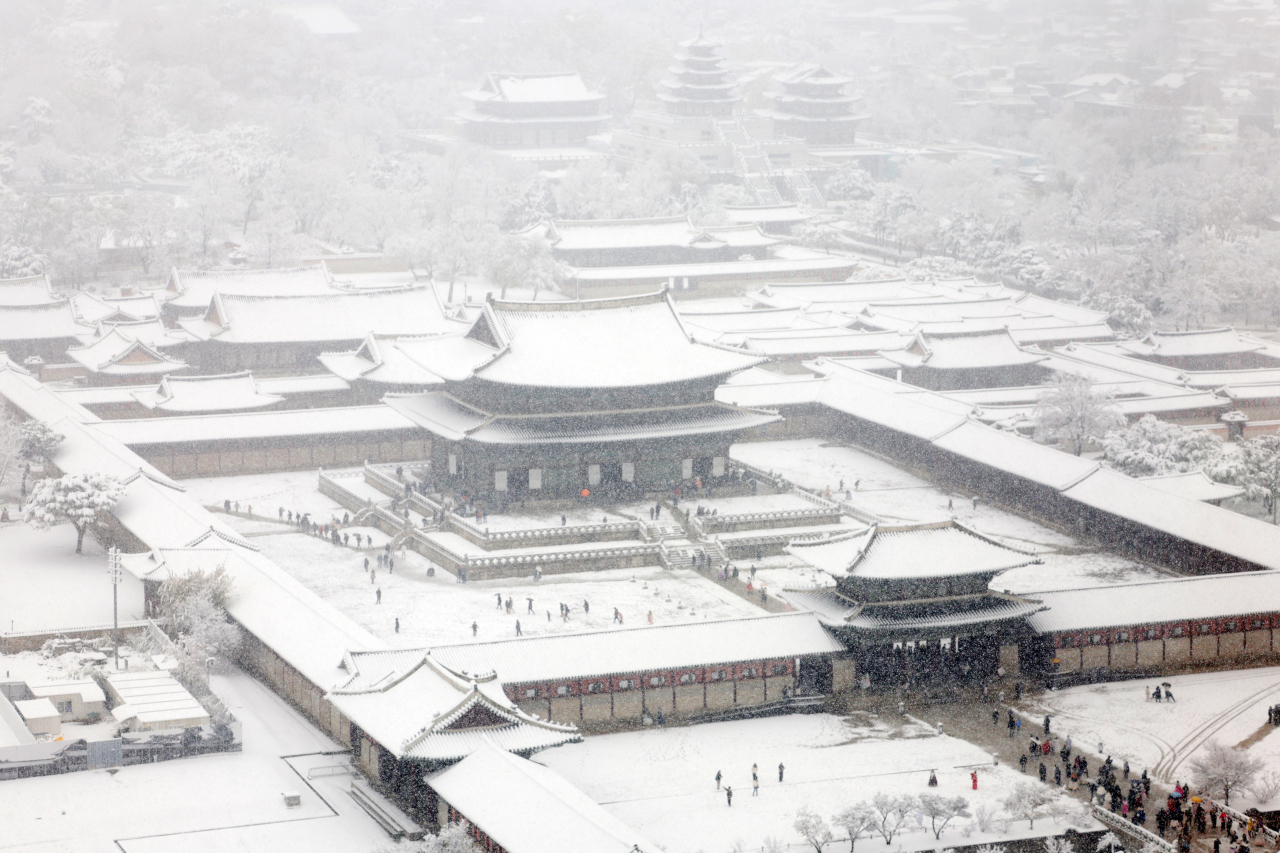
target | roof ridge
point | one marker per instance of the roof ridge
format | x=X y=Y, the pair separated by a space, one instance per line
x=609 y=632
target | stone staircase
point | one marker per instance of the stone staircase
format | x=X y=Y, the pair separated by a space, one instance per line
x=395 y=822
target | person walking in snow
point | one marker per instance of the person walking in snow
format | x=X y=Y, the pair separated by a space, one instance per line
x=780 y=769
x=718 y=777
x=530 y=600
x=728 y=795
x=499 y=597
x=1022 y=763
x=474 y=628
x=519 y=633
x=397 y=624
x=379 y=596
x=755 y=786
x=586 y=607
x=1046 y=724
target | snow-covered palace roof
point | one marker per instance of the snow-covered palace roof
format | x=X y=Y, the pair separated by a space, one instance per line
x=117 y=353
x=591 y=343
x=194 y=394
x=320 y=318
x=939 y=549
x=33 y=290
x=1193 y=484
x=963 y=351
x=1158 y=602
x=193 y=290
x=661 y=232
x=528 y=808
x=543 y=88
x=645 y=649
x=419 y=709
x=1226 y=341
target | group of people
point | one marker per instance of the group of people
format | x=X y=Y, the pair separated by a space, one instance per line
x=755 y=782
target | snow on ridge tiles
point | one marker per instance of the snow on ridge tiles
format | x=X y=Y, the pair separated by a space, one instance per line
x=1183 y=518
x=1193 y=342
x=642 y=649
x=523 y=805
x=911 y=551
x=194 y=289
x=119 y=353
x=337 y=316
x=602 y=343
x=206 y=394
x=32 y=290
x=1158 y=601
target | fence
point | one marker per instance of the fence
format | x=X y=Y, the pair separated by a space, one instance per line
x=1145 y=837
x=12 y=642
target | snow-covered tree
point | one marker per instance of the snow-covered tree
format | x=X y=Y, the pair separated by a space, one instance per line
x=1258 y=469
x=193 y=607
x=1218 y=770
x=1070 y=411
x=891 y=813
x=453 y=838
x=942 y=810
x=858 y=821
x=819 y=235
x=1058 y=845
x=1027 y=801
x=1152 y=446
x=82 y=500
x=812 y=829
x=521 y=262
x=11 y=443
x=849 y=183
x=1108 y=841
x=39 y=440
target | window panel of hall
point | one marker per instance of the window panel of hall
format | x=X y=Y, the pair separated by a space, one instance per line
x=535 y=478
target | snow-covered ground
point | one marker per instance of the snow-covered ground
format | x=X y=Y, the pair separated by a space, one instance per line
x=662 y=781
x=45 y=584
x=438 y=609
x=220 y=802
x=295 y=491
x=1228 y=707
x=899 y=497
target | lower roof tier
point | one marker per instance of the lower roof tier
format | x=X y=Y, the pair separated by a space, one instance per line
x=914 y=620
x=446 y=416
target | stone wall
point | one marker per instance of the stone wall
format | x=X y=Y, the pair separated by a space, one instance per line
x=295 y=453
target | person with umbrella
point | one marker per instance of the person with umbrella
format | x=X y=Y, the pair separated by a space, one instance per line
x=1168 y=694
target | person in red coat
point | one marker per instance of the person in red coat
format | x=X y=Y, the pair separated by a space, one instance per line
x=973 y=775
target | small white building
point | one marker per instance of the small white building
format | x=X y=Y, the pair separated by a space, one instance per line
x=74 y=700
x=40 y=715
x=151 y=701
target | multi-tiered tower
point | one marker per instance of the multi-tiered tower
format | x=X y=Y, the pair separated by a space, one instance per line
x=700 y=84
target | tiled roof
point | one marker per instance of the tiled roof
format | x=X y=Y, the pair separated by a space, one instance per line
x=454 y=420
x=528 y=808
x=193 y=394
x=1154 y=602
x=600 y=343
x=406 y=701
x=117 y=353
x=34 y=290
x=943 y=614
x=647 y=649
x=324 y=318
x=911 y=551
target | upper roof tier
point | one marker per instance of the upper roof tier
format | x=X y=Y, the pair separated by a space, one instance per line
x=595 y=343
x=917 y=551
x=550 y=88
